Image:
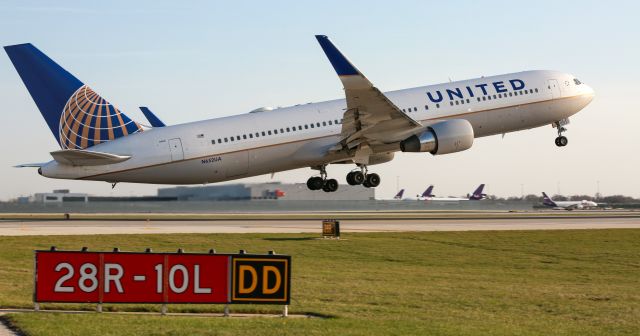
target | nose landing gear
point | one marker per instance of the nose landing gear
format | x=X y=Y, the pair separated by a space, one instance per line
x=561 y=140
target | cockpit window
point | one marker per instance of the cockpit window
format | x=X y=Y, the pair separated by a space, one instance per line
x=577 y=81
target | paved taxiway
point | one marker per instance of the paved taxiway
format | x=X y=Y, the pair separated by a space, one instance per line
x=402 y=222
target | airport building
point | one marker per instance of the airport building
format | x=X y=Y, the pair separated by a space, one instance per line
x=59 y=196
x=258 y=191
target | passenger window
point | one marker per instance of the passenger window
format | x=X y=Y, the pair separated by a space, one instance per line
x=457 y=102
x=258 y=134
x=484 y=98
x=510 y=94
x=415 y=109
x=226 y=140
x=489 y=97
x=451 y=103
x=330 y=122
x=281 y=130
x=467 y=100
x=232 y=139
x=213 y=142
x=311 y=125
x=219 y=140
x=251 y=135
x=437 y=105
x=269 y=132
x=244 y=136
x=306 y=126
x=288 y=129
x=403 y=110
x=318 y=124
x=324 y=123
x=478 y=98
x=536 y=90
x=494 y=97
x=426 y=107
x=499 y=95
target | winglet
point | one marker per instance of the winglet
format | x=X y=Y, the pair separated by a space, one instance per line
x=340 y=63
x=155 y=121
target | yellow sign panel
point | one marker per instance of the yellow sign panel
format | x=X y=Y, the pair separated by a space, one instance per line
x=260 y=279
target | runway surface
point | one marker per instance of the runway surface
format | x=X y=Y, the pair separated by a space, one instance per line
x=465 y=221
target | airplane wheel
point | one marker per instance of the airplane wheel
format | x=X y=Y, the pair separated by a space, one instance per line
x=373 y=180
x=350 y=179
x=315 y=183
x=330 y=185
x=366 y=184
x=357 y=177
x=563 y=141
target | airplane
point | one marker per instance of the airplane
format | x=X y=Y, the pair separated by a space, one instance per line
x=426 y=194
x=367 y=127
x=398 y=196
x=477 y=195
x=567 y=205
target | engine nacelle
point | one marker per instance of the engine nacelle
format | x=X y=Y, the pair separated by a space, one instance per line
x=443 y=137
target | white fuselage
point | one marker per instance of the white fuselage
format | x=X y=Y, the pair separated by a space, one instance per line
x=300 y=136
x=584 y=204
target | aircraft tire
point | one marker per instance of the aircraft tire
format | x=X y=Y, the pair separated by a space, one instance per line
x=357 y=177
x=315 y=183
x=373 y=180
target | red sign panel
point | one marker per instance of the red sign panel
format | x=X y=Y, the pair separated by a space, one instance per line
x=119 y=277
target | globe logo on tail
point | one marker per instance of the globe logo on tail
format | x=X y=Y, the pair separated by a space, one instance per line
x=88 y=119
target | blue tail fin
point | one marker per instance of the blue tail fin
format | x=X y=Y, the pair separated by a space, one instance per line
x=399 y=194
x=427 y=193
x=77 y=116
x=477 y=194
x=546 y=200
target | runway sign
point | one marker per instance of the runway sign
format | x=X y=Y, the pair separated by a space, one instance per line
x=331 y=228
x=260 y=279
x=127 y=277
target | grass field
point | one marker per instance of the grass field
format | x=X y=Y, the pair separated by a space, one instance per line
x=583 y=282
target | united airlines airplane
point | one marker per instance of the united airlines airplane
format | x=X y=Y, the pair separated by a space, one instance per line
x=98 y=142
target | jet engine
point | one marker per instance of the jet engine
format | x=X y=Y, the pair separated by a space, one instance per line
x=443 y=137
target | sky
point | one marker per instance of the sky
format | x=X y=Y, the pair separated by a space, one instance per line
x=195 y=60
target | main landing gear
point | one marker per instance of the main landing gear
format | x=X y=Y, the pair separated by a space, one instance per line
x=561 y=140
x=321 y=182
x=361 y=176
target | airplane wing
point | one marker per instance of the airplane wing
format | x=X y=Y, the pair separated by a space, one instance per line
x=153 y=119
x=371 y=119
x=78 y=157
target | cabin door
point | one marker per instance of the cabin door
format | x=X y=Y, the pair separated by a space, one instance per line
x=175 y=147
x=552 y=84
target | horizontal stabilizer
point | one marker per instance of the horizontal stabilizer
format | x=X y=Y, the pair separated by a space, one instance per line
x=30 y=165
x=77 y=157
x=153 y=119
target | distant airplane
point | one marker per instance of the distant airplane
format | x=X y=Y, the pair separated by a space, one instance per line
x=567 y=205
x=398 y=196
x=98 y=142
x=426 y=194
x=475 y=196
